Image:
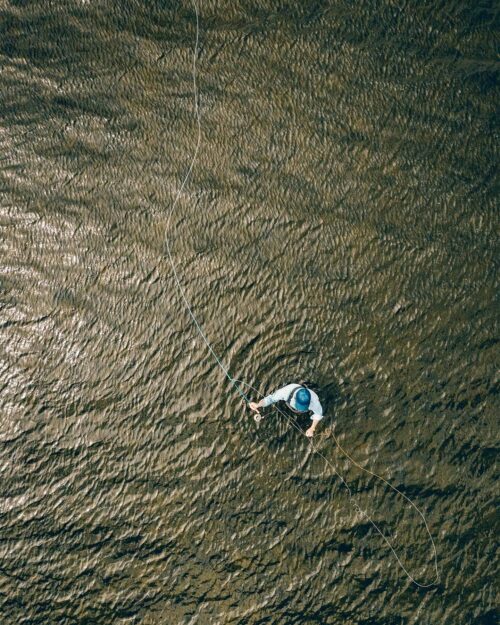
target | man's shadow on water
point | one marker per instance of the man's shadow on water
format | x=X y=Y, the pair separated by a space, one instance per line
x=283 y=428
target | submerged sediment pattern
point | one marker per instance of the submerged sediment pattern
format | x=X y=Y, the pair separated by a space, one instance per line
x=340 y=225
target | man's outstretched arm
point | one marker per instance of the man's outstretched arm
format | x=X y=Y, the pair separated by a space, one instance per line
x=281 y=393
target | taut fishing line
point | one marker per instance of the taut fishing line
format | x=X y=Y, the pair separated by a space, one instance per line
x=236 y=383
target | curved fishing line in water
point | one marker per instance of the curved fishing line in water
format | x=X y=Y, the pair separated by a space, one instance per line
x=176 y=200
x=235 y=382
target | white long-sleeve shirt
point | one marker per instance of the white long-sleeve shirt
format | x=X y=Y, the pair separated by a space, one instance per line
x=284 y=393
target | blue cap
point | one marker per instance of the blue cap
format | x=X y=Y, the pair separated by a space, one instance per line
x=302 y=399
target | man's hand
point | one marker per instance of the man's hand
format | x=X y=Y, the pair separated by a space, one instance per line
x=310 y=431
x=255 y=407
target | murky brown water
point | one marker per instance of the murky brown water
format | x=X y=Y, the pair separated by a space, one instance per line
x=340 y=226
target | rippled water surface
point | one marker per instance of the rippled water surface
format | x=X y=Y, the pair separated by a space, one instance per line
x=339 y=226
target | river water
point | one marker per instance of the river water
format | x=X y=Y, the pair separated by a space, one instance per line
x=339 y=226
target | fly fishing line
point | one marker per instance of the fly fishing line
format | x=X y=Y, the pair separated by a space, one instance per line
x=236 y=383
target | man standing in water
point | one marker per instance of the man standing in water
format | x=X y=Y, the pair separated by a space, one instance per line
x=298 y=398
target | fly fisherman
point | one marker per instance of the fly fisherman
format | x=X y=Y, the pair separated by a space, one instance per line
x=298 y=398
